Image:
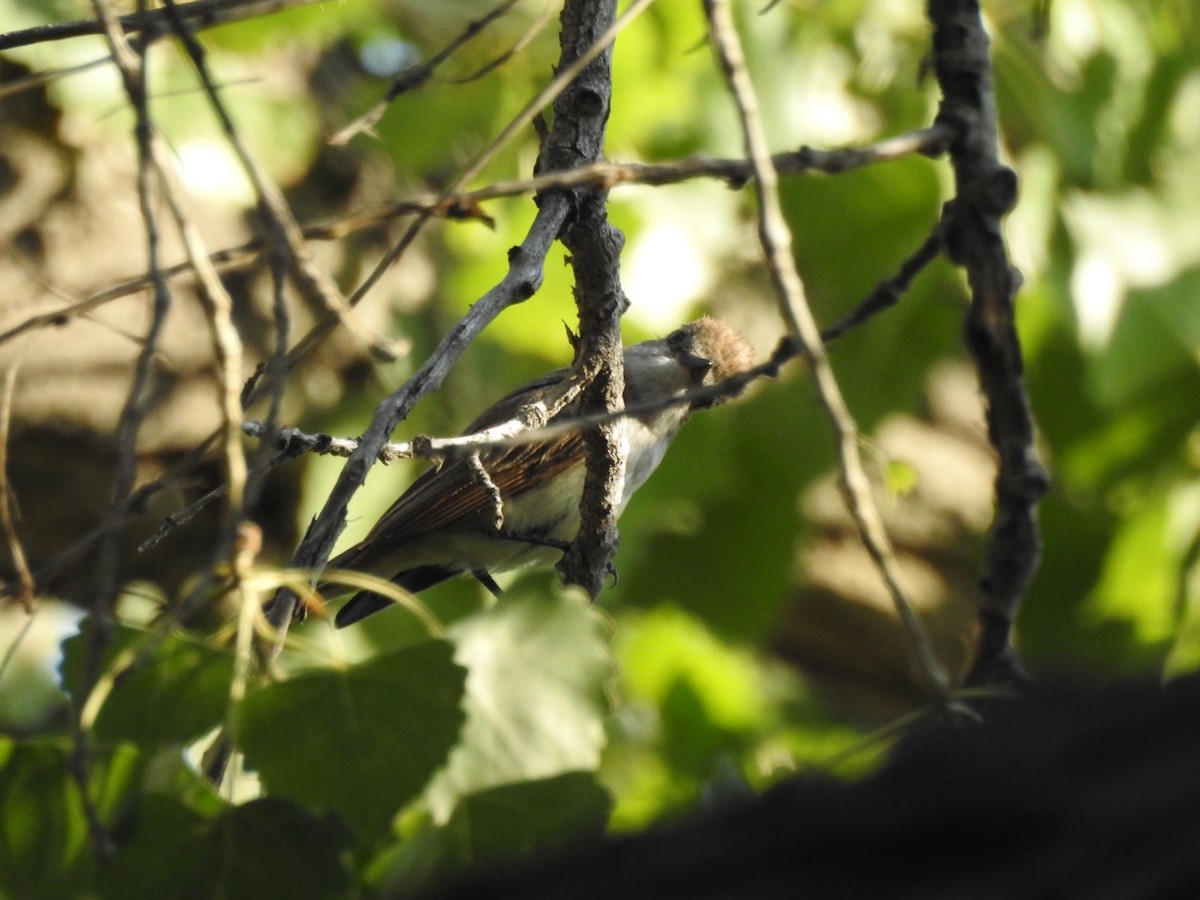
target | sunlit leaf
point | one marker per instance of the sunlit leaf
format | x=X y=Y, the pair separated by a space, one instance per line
x=536 y=702
x=1155 y=345
x=900 y=477
x=500 y=823
x=1138 y=585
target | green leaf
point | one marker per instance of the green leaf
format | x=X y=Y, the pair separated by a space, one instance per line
x=513 y=819
x=45 y=847
x=362 y=741
x=729 y=565
x=1154 y=346
x=497 y=824
x=1138 y=586
x=901 y=478
x=265 y=848
x=536 y=704
x=168 y=688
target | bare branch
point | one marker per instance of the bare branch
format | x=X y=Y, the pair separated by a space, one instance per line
x=888 y=292
x=484 y=480
x=291 y=442
x=520 y=44
x=465 y=204
x=153 y=24
x=566 y=73
x=314 y=283
x=226 y=342
x=986 y=190
x=99 y=625
x=577 y=137
x=415 y=76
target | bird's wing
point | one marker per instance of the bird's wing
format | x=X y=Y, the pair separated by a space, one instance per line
x=451 y=494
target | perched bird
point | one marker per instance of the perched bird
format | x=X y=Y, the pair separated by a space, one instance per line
x=445 y=523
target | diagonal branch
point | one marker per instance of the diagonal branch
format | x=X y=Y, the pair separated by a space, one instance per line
x=776 y=240
x=155 y=161
x=414 y=76
x=566 y=73
x=314 y=283
x=151 y=24
x=603 y=175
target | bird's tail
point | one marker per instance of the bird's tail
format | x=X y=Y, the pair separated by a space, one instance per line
x=367 y=603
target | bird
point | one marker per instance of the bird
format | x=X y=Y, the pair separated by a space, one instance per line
x=445 y=524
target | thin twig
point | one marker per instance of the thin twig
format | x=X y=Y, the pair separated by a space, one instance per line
x=566 y=73
x=152 y=24
x=26 y=586
x=34 y=80
x=416 y=75
x=153 y=160
x=481 y=477
x=249 y=610
x=465 y=204
x=314 y=283
x=275 y=369
x=534 y=29
x=888 y=292
x=99 y=625
x=776 y=240
x=255 y=473
x=227 y=343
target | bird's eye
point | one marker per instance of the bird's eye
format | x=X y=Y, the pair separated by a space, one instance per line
x=677 y=339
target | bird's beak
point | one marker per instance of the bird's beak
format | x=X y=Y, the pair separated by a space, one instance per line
x=697 y=366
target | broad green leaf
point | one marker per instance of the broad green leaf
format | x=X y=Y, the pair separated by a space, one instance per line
x=666 y=647
x=497 y=824
x=265 y=848
x=363 y=740
x=536 y=703
x=1155 y=345
x=166 y=689
x=512 y=819
x=45 y=845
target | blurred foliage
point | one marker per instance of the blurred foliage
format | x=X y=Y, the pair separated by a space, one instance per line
x=389 y=759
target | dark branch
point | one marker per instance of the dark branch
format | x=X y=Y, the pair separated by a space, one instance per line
x=577 y=138
x=986 y=190
x=152 y=24
x=414 y=76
